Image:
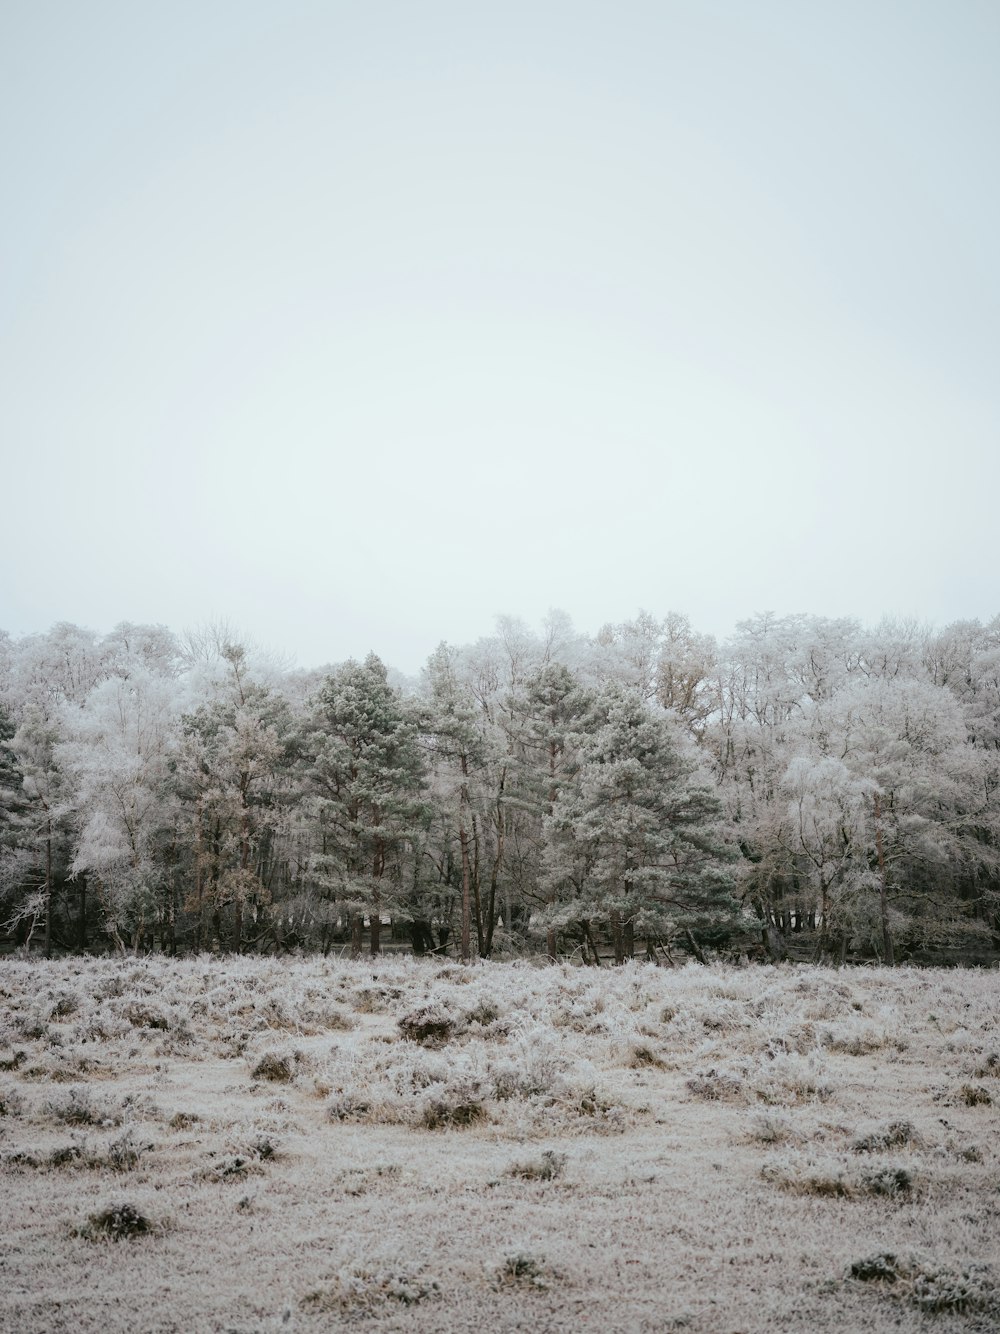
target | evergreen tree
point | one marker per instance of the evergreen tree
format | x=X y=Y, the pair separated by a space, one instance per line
x=366 y=767
x=632 y=842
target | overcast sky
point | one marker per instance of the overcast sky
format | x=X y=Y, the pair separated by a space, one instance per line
x=360 y=323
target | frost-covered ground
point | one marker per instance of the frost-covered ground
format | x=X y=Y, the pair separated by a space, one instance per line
x=254 y=1145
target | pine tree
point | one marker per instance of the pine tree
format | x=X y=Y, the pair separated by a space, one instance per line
x=632 y=843
x=365 y=764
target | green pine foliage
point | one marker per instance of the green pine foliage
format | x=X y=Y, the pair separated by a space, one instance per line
x=633 y=841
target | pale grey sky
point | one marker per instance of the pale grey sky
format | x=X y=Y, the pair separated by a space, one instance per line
x=359 y=323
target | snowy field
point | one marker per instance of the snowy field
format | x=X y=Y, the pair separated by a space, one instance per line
x=250 y=1144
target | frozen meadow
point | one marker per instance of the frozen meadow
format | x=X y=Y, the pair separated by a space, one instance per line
x=250 y=1144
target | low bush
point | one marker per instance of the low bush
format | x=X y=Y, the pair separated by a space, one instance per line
x=118 y=1222
x=546 y=1167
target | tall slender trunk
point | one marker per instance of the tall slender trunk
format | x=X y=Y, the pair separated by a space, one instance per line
x=593 y=943
x=378 y=870
x=477 y=902
x=199 y=887
x=48 y=889
x=244 y=869
x=112 y=924
x=81 y=930
x=463 y=838
x=491 y=910
x=617 y=941
x=883 y=888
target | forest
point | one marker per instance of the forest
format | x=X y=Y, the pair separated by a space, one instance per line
x=810 y=787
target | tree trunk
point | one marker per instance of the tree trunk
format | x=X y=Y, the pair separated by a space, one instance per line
x=883 y=894
x=694 y=947
x=81 y=930
x=378 y=870
x=491 y=910
x=48 y=890
x=617 y=941
x=593 y=944
x=477 y=906
x=376 y=921
x=466 y=942
x=421 y=937
x=244 y=870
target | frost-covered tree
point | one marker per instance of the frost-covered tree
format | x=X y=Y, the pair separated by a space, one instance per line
x=460 y=746
x=365 y=765
x=116 y=752
x=633 y=842
x=233 y=753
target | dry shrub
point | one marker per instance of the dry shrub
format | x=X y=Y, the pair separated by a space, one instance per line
x=118 y=1222
x=458 y=1103
x=861 y=1039
x=121 y=1155
x=365 y=1292
x=11 y=1102
x=892 y=1135
x=933 y=1289
x=546 y=1167
x=791 y=1079
x=71 y=1155
x=583 y=1106
x=230 y=1167
x=109 y=987
x=715 y=1086
x=142 y=1014
x=833 y=1178
x=349 y=1106
x=243 y=1157
x=883 y=1267
x=183 y=1120
x=974 y=1095
x=19 y=1158
x=333 y=1020
x=430 y=1025
x=966 y=1291
x=78 y=1108
x=887 y=1181
x=376 y=1000
x=642 y=1056
x=770 y=1127
x=275 y=1066
x=970 y=1153
x=486 y=1011
x=523 y=1270
x=125 y=1151
x=827 y=1183
x=987 y=1068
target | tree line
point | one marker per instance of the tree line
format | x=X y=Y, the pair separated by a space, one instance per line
x=810 y=784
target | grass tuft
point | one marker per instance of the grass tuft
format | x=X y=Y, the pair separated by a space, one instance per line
x=974 y=1095
x=118 y=1222
x=546 y=1167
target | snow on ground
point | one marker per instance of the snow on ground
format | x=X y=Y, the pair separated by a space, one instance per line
x=254 y=1144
